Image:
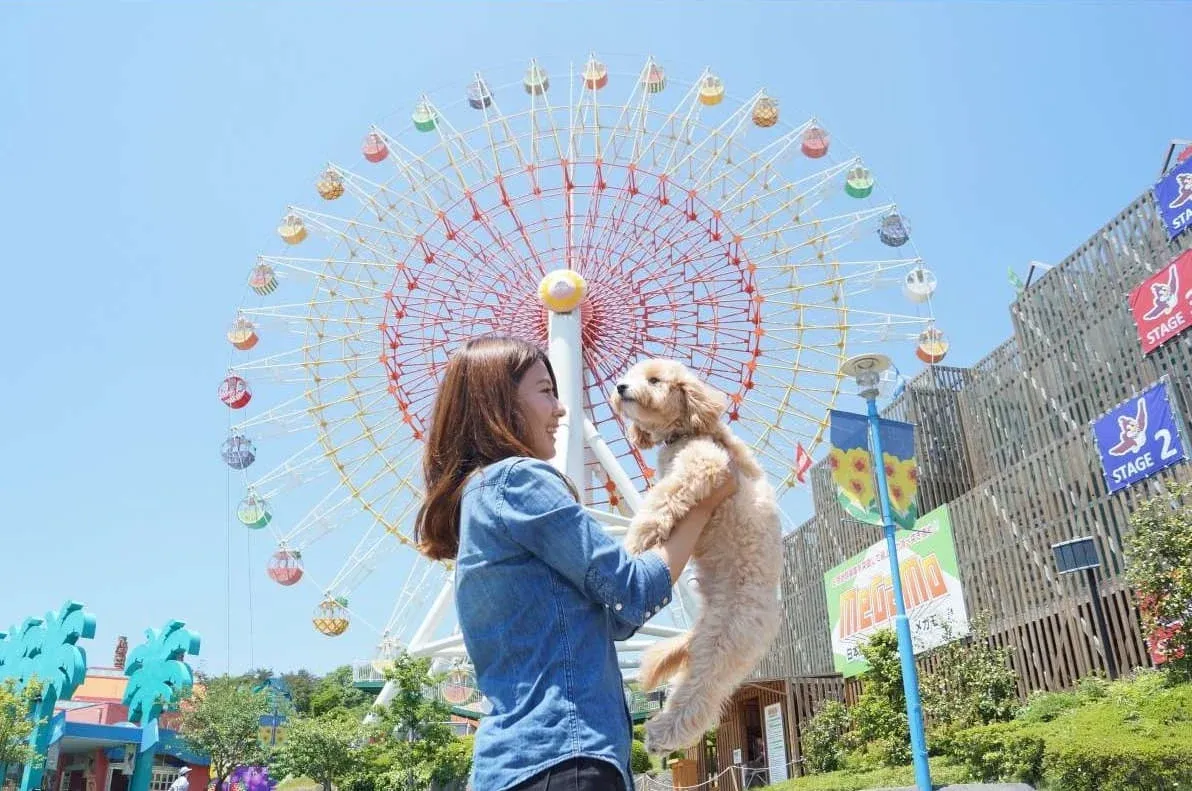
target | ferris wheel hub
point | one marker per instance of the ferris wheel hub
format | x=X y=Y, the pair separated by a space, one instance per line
x=562 y=290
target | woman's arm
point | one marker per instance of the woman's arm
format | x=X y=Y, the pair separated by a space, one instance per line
x=538 y=512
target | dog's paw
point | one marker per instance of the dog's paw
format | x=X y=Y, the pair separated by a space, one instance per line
x=664 y=735
x=646 y=531
x=653 y=745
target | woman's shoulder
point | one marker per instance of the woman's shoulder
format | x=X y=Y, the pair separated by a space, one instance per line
x=513 y=469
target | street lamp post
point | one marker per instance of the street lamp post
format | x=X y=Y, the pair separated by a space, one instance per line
x=867 y=369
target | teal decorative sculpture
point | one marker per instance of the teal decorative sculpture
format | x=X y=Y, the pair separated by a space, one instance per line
x=158 y=676
x=48 y=653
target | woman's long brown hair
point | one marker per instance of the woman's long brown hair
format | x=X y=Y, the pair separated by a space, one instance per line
x=475 y=422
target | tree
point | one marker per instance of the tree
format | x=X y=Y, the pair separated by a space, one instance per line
x=15 y=725
x=336 y=691
x=973 y=683
x=1159 y=566
x=302 y=685
x=880 y=713
x=826 y=741
x=222 y=721
x=412 y=744
x=321 y=748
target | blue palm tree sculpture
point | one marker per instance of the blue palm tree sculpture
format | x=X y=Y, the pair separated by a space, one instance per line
x=48 y=653
x=158 y=677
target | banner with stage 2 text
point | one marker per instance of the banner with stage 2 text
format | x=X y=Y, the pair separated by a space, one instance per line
x=1138 y=438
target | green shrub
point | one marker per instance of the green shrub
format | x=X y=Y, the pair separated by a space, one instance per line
x=883 y=730
x=972 y=683
x=1005 y=751
x=825 y=739
x=1121 y=764
x=639 y=759
x=1133 y=735
x=1046 y=706
x=942 y=773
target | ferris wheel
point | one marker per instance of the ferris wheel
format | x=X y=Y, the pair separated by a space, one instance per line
x=609 y=216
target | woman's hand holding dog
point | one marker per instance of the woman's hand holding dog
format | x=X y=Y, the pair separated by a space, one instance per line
x=676 y=549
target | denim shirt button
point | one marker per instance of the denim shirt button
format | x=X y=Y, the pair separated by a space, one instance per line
x=666 y=599
x=617 y=606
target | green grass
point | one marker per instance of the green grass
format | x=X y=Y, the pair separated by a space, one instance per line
x=849 y=780
x=298 y=784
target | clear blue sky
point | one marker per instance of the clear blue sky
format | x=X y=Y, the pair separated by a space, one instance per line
x=147 y=150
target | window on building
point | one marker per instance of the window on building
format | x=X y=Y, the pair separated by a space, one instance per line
x=163 y=778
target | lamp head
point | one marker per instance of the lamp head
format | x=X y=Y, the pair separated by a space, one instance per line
x=867 y=369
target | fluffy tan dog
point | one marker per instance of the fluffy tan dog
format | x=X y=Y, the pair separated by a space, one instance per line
x=738 y=556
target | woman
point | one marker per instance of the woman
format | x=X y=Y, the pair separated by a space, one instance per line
x=541 y=591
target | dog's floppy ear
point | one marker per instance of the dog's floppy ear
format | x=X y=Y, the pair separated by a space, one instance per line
x=704 y=405
x=639 y=437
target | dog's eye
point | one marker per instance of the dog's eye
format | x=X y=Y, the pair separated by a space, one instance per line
x=653 y=380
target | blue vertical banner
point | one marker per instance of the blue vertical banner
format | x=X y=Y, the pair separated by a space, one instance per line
x=851 y=462
x=1138 y=437
x=1173 y=195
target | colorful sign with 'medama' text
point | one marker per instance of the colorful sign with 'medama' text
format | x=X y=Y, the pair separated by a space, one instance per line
x=861 y=596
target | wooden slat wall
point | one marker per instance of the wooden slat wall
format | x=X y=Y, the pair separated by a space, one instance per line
x=1007 y=445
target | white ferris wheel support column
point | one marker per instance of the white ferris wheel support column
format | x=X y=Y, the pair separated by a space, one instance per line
x=562 y=292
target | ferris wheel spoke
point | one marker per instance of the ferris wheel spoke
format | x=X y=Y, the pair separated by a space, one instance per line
x=730 y=129
x=784 y=404
x=420 y=176
x=422 y=583
x=361 y=561
x=630 y=122
x=351 y=232
x=459 y=153
x=760 y=172
x=384 y=201
x=689 y=108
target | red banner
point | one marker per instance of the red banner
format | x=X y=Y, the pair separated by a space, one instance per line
x=1162 y=304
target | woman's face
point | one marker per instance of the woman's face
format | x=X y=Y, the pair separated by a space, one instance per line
x=540 y=410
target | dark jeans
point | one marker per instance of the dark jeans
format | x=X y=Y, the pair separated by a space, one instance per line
x=575 y=774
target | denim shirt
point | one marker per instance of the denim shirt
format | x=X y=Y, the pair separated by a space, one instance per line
x=541 y=593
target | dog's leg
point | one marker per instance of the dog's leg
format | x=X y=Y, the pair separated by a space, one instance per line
x=721 y=654
x=697 y=469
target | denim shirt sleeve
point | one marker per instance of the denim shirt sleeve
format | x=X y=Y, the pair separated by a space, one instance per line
x=539 y=513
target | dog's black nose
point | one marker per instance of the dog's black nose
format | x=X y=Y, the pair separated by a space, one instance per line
x=621 y=389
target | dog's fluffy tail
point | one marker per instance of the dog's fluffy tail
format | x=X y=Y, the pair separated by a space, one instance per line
x=663 y=660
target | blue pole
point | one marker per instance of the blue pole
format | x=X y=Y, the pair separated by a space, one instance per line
x=906 y=651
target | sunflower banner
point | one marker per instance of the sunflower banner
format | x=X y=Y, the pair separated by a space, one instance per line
x=851 y=463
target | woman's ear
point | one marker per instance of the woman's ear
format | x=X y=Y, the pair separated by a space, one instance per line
x=639 y=437
x=704 y=405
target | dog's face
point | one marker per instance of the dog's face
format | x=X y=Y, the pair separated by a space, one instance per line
x=661 y=398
